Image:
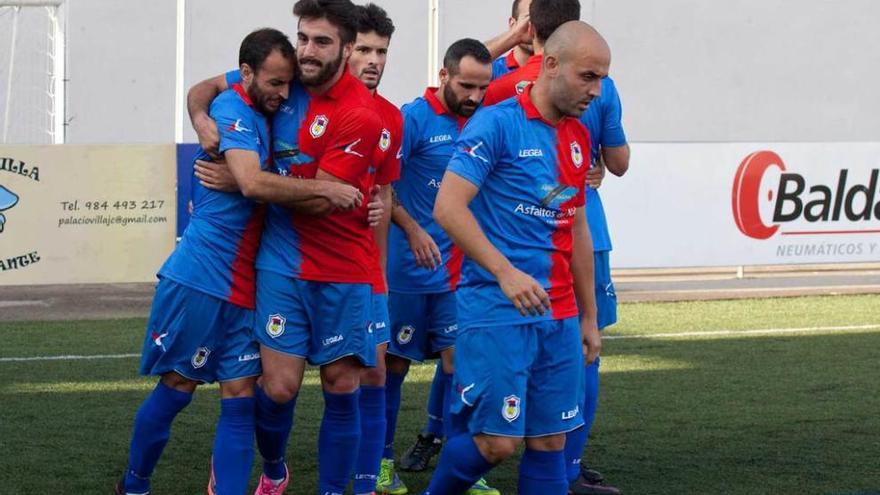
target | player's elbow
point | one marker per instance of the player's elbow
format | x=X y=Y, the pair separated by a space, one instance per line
x=443 y=211
x=249 y=189
x=618 y=169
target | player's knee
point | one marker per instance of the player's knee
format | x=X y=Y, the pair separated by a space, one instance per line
x=373 y=377
x=397 y=364
x=179 y=382
x=551 y=443
x=280 y=390
x=341 y=377
x=237 y=389
x=497 y=449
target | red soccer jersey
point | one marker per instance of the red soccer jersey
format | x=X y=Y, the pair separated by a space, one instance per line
x=512 y=84
x=336 y=132
x=387 y=165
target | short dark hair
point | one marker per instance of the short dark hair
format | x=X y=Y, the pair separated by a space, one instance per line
x=467 y=47
x=514 y=11
x=547 y=15
x=340 y=13
x=257 y=46
x=371 y=17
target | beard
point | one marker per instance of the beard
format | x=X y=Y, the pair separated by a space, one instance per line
x=463 y=108
x=324 y=74
x=264 y=104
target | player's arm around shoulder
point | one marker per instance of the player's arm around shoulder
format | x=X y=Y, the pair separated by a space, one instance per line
x=198 y=102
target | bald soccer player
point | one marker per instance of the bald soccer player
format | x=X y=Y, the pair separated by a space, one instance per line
x=512 y=200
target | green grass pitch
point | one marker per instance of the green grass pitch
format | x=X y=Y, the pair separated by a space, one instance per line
x=720 y=411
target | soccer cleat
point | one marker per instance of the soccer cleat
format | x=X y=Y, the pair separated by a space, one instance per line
x=591 y=482
x=417 y=457
x=119 y=489
x=266 y=487
x=482 y=488
x=388 y=482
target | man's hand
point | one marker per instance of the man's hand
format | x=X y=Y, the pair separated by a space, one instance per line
x=520 y=30
x=524 y=292
x=209 y=138
x=216 y=175
x=596 y=174
x=591 y=339
x=424 y=248
x=375 y=208
x=341 y=196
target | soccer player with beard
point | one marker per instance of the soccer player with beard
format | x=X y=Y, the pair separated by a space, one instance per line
x=315 y=274
x=367 y=63
x=512 y=200
x=201 y=323
x=423 y=264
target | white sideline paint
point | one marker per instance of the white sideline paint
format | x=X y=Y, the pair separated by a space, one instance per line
x=766 y=331
x=66 y=358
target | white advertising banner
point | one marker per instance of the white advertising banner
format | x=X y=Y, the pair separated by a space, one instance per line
x=730 y=204
x=85 y=214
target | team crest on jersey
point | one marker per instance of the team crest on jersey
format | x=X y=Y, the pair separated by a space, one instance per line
x=319 y=125
x=385 y=140
x=511 y=408
x=405 y=335
x=275 y=325
x=521 y=86
x=577 y=156
x=200 y=358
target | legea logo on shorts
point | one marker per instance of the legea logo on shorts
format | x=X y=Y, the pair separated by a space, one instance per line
x=793 y=202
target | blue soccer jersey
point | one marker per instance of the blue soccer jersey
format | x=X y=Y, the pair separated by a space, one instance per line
x=429 y=134
x=217 y=251
x=531 y=176
x=504 y=64
x=602 y=118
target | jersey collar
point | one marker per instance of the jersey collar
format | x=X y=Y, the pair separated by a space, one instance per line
x=532 y=113
x=238 y=88
x=339 y=90
x=439 y=109
x=510 y=61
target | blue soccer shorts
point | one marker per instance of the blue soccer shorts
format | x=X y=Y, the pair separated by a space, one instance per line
x=318 y=321
x=606 y=297
x=422 y=325
x=199 y=336
x=380 y=322
x=519 y=380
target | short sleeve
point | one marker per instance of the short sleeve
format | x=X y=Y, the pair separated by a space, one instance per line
x=411 y=132
x=612 y=128
x=351 y=144
x=478 y=148
x=389 y=169
x=236 y=125
x=233 y=77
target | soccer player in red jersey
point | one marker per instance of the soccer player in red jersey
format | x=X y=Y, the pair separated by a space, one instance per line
x=367 y=63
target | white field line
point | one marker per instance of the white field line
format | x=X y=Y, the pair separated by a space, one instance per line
x=764 y=331
x=66 y=358
x=723 y=333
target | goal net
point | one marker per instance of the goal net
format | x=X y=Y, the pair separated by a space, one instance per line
x=31 y=72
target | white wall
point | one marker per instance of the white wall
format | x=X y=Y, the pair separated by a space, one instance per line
x=687 y=70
